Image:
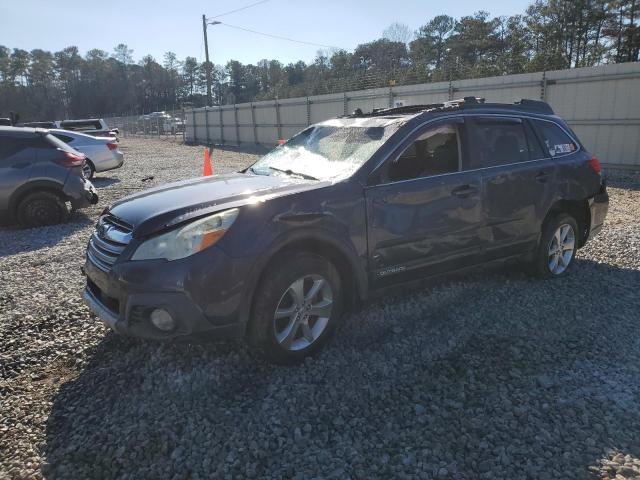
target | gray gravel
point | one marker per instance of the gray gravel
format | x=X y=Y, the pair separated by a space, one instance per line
x=492 y=375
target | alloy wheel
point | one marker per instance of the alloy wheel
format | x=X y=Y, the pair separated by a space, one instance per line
x=303 y=312
x=561 y=248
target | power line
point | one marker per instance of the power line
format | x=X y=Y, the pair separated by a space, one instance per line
x=281 y=38
x=240 y=9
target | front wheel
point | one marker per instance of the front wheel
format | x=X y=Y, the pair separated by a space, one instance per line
x=557 y=247
x=297 y=306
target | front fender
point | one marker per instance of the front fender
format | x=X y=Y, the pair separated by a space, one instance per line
x=312 y=236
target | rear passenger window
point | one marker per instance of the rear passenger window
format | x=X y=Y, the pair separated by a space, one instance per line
x=434 y=152
x=498 y=142
x=555 y=139
x=10 y=147
x=535 y=149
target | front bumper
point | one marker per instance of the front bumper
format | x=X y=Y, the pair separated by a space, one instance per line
x=203 y=295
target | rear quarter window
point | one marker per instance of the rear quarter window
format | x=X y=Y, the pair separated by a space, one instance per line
x=555 y=139
x=64 y=138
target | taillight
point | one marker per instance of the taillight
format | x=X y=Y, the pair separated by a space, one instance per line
x=71 y=160
x=112 y=146
x=594 y=163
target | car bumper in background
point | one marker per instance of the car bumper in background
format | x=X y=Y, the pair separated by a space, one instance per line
x=115 y=160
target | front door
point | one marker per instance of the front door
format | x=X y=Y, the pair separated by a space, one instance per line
x=423 y=212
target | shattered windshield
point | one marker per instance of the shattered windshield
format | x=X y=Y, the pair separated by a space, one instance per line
x=326 y=151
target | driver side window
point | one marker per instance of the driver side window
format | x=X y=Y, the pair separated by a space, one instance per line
x=434 y=152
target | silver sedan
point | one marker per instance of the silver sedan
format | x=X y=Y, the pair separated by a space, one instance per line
x=102 y=152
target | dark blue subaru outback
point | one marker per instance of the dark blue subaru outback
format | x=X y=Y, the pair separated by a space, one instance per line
x=342 y=211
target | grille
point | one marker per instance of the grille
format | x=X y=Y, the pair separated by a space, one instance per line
x=108 y=241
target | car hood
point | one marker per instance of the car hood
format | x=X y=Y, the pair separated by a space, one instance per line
x=154 y=209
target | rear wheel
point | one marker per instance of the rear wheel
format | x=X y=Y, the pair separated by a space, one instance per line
x=41 y=208
x=557 y=247
x=297 y=307
x=88 y=169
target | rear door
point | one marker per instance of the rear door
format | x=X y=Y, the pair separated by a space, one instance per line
x=576 y=179
x=423 y=212
x=517 y=182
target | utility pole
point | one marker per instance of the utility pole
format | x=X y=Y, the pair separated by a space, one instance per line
x=206 y=53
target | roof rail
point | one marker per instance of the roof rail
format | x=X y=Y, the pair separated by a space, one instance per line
x=543 y=107
x=460 y=103
x=393 y=110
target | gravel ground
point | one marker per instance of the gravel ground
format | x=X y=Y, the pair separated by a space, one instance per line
x=492 y=375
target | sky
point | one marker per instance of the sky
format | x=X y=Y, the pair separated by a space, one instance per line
x=154 y=27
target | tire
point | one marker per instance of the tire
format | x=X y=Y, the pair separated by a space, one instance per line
x=283 y=325
x=88 y=170
x=41 y=208
x=548 y=262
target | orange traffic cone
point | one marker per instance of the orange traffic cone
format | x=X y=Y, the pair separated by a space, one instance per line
x=207 y=169
x=281 y=141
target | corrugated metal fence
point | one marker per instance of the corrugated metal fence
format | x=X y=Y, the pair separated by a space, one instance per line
x=602 y=104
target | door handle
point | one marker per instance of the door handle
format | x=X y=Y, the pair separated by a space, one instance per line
x=543 y=176
x=464 y=191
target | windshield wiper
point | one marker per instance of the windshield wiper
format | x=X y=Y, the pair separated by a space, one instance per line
x=297 y=174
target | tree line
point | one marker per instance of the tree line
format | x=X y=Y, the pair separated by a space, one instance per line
x=549 y=35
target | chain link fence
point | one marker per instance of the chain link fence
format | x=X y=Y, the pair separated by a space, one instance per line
x=168 y=125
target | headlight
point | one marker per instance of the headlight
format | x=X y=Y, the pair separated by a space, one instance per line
x=192 y=238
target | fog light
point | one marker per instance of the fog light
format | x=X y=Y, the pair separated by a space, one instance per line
x=162 y=320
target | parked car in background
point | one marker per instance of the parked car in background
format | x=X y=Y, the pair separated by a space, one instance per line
x=160 y=123
x=102 y=152
x=91 y=126
x=176 y=125
x=342 y=211
x=38 y=124
x=40 y=176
